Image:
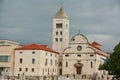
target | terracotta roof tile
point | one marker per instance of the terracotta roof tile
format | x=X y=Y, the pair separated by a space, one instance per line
x=95 y=43
x=36 y=47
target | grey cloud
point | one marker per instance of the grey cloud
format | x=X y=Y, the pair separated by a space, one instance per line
x=30 y=21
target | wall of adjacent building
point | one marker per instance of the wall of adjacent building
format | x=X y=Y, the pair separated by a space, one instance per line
x=41 y=68
x=7 y=50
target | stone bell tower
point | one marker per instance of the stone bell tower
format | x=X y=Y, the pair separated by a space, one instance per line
x=60 y=38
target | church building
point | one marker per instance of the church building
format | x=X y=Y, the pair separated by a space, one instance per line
x=82 y=58
x=79 y=57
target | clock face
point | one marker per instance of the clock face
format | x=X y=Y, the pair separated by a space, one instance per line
x=79 y=48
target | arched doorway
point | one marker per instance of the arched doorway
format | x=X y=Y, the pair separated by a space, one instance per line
x=78 y=67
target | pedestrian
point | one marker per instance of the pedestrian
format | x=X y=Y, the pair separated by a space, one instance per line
x=67 y=78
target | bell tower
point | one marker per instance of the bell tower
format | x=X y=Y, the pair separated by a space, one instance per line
x=60 y=39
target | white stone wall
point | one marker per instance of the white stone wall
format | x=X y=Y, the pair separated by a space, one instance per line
x=88 y=56
x=40 y=69
x=60 y=46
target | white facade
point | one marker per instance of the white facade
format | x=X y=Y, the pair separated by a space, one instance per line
x=81 y=58
x=35 y=61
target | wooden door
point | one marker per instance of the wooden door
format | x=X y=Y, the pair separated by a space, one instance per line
x=78 y=70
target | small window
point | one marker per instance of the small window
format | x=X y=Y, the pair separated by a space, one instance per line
x=91 y=63
x=60 y=39
x=46 y=62
x=51 y=54
x=56 y=39
x=55 y=62
x=33 y=52
x=66 y=25
x=56 y=33
x=26 y=69
x=55 y=55
x=32 y=69
x=20 y=69
x=66 y=64
x=21 y=52
x=79 y=55
x=73 y=39
x=46 y=53
x=33 y=61
x=51 y=61
x=66 y=55
x=60 y=32
x=21 y=60
x=91 y=55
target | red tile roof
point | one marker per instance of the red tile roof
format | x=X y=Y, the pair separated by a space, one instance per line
x=36 y=47
x=95 y=43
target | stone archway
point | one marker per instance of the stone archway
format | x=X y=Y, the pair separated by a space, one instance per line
x=78 y=67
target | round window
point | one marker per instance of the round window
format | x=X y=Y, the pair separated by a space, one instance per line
x=79 y=48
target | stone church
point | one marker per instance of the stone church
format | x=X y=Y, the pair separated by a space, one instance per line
x=79 y=57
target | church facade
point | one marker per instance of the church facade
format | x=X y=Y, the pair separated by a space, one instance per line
x=82 y=58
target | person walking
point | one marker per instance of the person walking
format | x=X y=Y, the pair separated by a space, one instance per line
x=67 y=78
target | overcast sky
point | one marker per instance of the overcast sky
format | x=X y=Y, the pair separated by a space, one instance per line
x=30 y=21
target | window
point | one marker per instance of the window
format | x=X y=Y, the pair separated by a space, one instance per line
x=66 y=55
x=26 y=69
x=79 y=55
x=72 y=39
x=32 y=69
x=91 y=64
x=48 y=71
x=33 y=52
x=21 y=52
x=66 y=64
x=91 y=55
x=21 y=60
x=56 y=39
x=59 y=25
x=56 y=33
x=55 y=55
x=60 y=32
x=46 y=53
x=51 y=54
x=4 y=58
x=55 y=62
x=20 y=69
x=33 y=61
x=66 y=25
x=51 y=61
x=46 y=62
x=60 y=39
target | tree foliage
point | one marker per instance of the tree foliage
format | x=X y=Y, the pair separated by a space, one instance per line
x=113 y=64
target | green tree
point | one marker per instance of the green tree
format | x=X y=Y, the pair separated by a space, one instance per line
x=113 y=63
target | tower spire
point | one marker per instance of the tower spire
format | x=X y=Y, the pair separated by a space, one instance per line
x=61 y=13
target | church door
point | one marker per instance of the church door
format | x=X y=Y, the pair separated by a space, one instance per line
x=78 y=70
x=78 y=67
